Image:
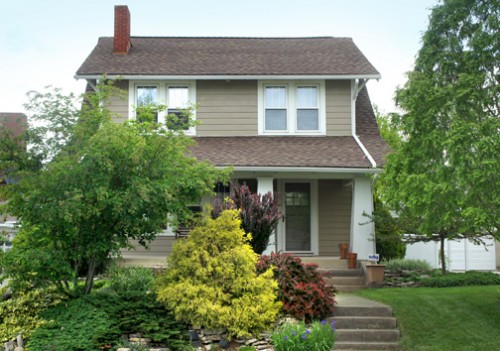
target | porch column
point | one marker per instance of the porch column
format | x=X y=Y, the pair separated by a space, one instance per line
x=362 y=235
x=265 y=185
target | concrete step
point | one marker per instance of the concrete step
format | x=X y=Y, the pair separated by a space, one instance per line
x=365 y=346
x=362 y=311
x=327 y=262
x=357 y=280
x=349 y=288
x=368 y=335
x=328 y=273
x=365 y=322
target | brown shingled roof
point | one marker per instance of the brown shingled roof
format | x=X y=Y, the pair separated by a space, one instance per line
x=229 y=56
x=367 y=129
x=14 y=121
x=282 y=151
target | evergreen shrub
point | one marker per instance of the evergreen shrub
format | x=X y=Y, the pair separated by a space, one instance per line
x=211 y=280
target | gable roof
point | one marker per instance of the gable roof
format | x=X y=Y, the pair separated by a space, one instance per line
x=299 y=151
x=208 y=56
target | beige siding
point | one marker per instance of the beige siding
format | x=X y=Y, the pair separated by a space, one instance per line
x=334 y=216
x=338 y=107
x=160 y=247
x=118 y=105
x=227 y=108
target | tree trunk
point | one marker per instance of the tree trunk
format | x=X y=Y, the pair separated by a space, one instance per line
x=89 y=281
x=441 y=253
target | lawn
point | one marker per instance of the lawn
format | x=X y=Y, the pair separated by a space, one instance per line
x=458 y=319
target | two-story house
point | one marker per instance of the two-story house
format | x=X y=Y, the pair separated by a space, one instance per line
x=290 y=115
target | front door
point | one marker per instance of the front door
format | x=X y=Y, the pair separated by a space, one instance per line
x=297 y=211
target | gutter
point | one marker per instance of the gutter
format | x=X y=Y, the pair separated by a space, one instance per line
x=303 y=169
x=355 y=89
x=364 y=77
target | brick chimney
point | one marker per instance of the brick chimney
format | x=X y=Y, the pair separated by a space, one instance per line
x=121 y=42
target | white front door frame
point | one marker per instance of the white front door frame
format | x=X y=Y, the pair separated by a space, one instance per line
x=281 y=239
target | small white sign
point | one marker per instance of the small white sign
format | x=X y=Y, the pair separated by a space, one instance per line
x=374 y=257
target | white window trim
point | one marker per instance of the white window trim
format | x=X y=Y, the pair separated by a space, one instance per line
x=291 y=88
x=162 y=97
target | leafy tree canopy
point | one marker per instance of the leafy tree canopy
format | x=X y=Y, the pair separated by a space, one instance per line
x=106 y=183
x=444 y=175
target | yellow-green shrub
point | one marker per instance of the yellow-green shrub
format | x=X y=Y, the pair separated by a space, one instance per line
x=211 y=280
x=21 y=314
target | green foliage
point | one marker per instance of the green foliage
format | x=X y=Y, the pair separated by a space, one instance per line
x=439 y=179
x=259 y=214
x=124 y=306
x=130 y=279
x=211 y=280
x=319 y=336
x=247 y=348
x=398 y=265
x=74 y=325
x=462 y=279
x=108 y=184
x=388 y=234
x=302 y=290
x=21 y=314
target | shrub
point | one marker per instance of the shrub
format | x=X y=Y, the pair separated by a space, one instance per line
x=398 y=265
x=462 y=279
x=21 y=314
x=74 y=325
x=130 y=279
x=211 y=280
x=302 y=290
x=388 y=234
x=99 y=319
x=259 y=214
x=319 y=336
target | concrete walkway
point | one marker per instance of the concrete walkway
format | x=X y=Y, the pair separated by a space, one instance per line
x=350 y=300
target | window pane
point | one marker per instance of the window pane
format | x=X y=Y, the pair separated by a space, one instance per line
x=275 y=119
x=177 y=97
x=307 y=119
x=146 y=95
x=276 y=97
x=307 y=97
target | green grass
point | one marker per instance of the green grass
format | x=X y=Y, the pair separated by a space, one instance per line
x=441 y=319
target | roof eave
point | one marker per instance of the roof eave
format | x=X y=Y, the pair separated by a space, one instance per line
x=230 y=77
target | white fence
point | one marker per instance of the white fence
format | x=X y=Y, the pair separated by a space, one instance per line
x=461 y=255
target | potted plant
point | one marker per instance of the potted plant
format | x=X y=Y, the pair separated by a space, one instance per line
x=353 y=260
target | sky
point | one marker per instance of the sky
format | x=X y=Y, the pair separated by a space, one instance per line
x=44 y=42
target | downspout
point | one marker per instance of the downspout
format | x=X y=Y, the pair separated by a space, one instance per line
x=355 y=89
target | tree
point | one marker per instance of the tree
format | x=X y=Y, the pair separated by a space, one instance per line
x=107 y=184
x=259 y=214
x=442 y=179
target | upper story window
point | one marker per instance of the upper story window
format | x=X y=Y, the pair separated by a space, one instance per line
x=175 y=95
x=177 y=100
x=292 y=108
x=147 y=95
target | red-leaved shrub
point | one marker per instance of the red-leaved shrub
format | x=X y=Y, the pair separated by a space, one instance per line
x=302 y=289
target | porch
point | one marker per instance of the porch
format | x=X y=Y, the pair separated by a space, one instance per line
x=321 y=210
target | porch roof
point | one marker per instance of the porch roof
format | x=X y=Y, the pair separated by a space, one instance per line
x=281 y=151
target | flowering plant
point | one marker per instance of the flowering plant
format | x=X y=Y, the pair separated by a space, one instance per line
x=318 y=336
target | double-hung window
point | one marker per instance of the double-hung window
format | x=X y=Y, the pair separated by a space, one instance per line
x=292 y=108
x=178 y=101
x=307 y=99
x=178 y=96
x=147 y=95
x=276 y=108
